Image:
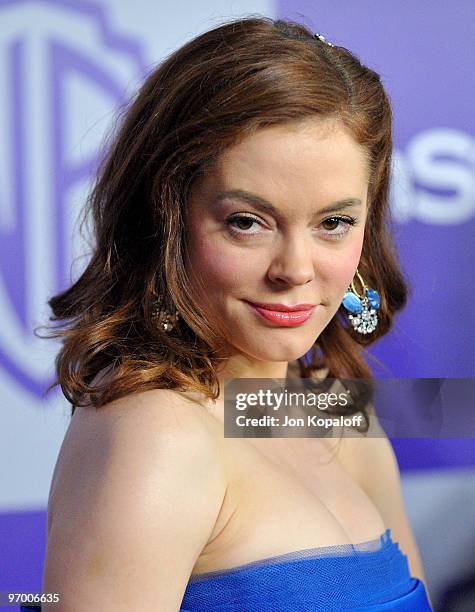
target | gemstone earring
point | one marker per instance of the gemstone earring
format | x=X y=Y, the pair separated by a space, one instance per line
x=166 y=319
x=363 y=307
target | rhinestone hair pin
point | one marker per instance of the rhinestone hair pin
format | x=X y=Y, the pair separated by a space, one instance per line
x=323 y=39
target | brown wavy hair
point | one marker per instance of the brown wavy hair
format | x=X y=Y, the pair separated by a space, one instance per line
x=208 y=95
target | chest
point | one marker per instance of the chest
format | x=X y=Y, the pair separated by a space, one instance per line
x=285 y=495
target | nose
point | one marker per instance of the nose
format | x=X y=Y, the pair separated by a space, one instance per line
x=293 y=263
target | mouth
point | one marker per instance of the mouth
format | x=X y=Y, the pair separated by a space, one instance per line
x=282 y=315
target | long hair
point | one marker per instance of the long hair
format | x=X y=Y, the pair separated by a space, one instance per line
x=208 y=95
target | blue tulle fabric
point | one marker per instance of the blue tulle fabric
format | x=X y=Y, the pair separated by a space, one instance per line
x=368 y=576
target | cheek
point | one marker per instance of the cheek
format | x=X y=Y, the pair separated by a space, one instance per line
x=340 y=270
x=222 y=268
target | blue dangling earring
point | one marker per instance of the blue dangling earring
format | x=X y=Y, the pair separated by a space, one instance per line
x=363 y=307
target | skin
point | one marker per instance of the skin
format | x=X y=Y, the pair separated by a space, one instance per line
x=291 y=258
x=295 y=255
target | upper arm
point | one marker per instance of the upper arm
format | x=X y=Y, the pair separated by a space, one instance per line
x=136 y=498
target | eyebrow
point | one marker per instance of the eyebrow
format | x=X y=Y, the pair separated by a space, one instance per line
x=262 y=204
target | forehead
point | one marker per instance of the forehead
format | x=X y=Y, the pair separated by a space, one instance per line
x=311 y=163
x=319 y=155
x=296 y=149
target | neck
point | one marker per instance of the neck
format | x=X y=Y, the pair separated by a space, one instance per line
x=237 y=367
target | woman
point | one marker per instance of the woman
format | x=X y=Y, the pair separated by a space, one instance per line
x=240 y=232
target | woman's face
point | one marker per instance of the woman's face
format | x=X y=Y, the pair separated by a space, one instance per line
x=280 y=220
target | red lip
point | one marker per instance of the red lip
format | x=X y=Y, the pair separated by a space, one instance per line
x=281 y=315
x=281 y=307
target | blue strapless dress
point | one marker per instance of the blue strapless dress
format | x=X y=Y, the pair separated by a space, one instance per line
x=367 y=577
x=370 y=576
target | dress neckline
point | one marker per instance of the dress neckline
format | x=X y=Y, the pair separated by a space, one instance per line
x=376 y=545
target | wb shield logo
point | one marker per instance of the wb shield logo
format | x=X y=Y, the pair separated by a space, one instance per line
x=63 y=74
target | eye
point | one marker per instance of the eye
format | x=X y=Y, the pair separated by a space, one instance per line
x=240 y=224
x=336 y=223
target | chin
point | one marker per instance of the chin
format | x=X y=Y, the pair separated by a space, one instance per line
x=276 y=353
x=270 y=344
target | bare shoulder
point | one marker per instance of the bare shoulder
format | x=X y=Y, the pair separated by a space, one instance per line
x=358 y=452
x=140 y=425
x=366 y=448
x=375 y=467
x=164 y=408
x=137 y=490
x=350 y=442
